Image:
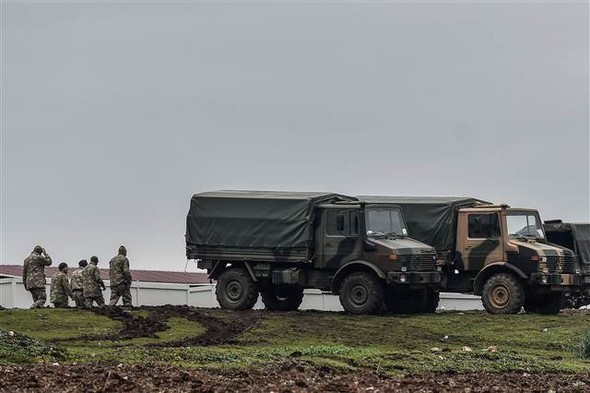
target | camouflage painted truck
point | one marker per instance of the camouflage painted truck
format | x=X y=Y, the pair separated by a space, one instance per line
x=495 y=251
x=277 y=243
x=576 y=237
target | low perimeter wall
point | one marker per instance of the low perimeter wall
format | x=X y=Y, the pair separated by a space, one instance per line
x=14 y=295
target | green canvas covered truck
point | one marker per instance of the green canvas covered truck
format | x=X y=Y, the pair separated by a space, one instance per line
x=277 y=243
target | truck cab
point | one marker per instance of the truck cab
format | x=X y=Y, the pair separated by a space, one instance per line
x=376 y=234
x=373 y=237
x=502 y=253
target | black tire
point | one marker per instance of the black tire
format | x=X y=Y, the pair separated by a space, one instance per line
x=503 y=294
x=282 y=299
x=362 y=293
x=236 y=290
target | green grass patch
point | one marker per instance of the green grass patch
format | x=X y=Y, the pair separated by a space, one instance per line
x=51 y=323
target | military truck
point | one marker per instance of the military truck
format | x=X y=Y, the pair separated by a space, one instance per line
x=576 y=237
x=277 y=243
x=495 y=251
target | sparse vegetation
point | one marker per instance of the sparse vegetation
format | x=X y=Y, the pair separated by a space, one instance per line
x=18 y=348
x=584 y=348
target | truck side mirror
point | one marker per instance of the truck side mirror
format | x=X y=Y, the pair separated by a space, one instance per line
x=340 y=222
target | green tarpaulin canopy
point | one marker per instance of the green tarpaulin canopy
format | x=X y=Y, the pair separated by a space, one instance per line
x=431 y=220
x=575 y=236
x=250 y=220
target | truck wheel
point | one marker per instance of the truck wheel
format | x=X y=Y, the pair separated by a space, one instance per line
x=362 y=293
x=282 y=299
x=503 y=294
x=236 y=290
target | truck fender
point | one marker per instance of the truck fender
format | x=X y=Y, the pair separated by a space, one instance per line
x=353 y=267
x=220 y=266
x=494 y=268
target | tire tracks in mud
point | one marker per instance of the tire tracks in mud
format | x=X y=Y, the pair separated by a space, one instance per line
x=217 y=331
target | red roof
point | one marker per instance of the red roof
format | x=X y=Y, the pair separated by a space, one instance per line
x=138 y=275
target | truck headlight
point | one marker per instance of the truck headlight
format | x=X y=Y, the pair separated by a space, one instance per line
x=402 y=278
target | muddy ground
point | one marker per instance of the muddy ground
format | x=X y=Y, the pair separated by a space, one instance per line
x=289 y=376
x=217 y=331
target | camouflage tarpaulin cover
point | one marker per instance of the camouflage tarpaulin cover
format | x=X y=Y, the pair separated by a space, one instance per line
x=431 y=220
x=575 y=236
x=253 y=220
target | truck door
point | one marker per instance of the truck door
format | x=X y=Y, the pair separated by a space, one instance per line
x=480 y=241
x=340 y=238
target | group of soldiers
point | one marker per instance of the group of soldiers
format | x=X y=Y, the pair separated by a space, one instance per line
x=84 y=286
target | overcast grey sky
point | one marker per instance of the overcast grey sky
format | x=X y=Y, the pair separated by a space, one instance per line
x=114 y=114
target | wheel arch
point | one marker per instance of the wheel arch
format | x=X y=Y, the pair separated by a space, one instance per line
x=350 y=267
x=492 y=269
x=221 y=266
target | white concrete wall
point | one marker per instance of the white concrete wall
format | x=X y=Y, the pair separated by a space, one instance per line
x=14 y=295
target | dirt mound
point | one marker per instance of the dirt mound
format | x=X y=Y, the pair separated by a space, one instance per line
x=290 y=376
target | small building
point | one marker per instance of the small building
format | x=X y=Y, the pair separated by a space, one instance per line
x=155 y=288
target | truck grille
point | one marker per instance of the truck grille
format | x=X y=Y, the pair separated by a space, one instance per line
x=561 y=264
x=425 y=262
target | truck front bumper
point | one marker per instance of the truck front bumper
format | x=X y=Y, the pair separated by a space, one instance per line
x=559 y=281
x=413 y=278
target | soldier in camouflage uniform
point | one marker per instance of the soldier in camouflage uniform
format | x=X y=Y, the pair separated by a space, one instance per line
x=92 y=284
x=60 y=287
x=120 y=278
x=77 y=285
x=34 y=275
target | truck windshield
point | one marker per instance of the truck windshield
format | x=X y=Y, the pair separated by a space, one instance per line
x=385 y=222
x=524 y=224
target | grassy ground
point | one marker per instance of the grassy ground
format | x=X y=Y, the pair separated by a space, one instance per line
x=398 y=345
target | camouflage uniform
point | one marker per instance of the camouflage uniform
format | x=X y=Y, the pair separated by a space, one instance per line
x=34 y=276
x=91 y=285
x=60 y=290
x=77 y=286
x=120 y=280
